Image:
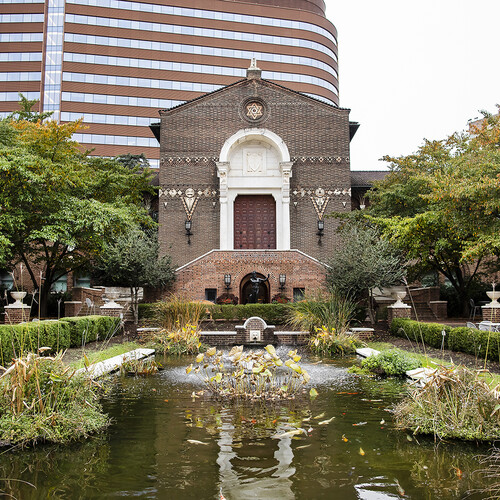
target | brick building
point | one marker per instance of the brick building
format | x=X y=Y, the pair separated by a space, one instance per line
x=247 y=174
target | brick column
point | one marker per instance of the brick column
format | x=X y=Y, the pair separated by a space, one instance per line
x=112 y=309
x=399 y=311
x=72 y=308
x=491 y=312
x=17 y=313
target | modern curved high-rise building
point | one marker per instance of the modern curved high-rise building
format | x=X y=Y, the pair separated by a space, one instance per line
x=117 y=62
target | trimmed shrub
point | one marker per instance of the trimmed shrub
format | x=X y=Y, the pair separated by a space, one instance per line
x=146 y=311
x=17 y=340
x=272 y=314
x=460 y=339
x=86 y=329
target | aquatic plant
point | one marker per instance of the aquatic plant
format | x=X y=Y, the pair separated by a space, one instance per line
x=331 y=343
x=251 y=375
x=331 y=310
x=392 y=363
x=491 y=470
x=178 y=312
x=41 y=399
x=140 y=367
x=454 y=403
x=181 y=340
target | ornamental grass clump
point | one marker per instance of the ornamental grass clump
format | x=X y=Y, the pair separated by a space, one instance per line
x=178 y=312
x=454 y=403
x=180 y=340
x=41 y=400
x=331 y=310
x=391 y=363
x=328 y=342
x=254 y=375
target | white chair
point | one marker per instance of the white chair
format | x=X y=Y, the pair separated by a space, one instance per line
x=486 y=326
x=471 y=325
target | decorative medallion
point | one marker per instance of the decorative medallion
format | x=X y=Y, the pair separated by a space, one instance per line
x=254 y=110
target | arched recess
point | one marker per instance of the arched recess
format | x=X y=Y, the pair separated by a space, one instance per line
x=246 y=289
x=254 y=162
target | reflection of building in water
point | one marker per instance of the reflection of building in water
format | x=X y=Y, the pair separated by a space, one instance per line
x=239 y=459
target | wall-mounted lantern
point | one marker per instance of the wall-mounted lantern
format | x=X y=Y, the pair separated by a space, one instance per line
x=321 y=228
x=282 y=281
x=188 y=225
x=227 y=282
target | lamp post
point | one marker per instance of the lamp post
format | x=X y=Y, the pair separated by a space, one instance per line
x=188 y=225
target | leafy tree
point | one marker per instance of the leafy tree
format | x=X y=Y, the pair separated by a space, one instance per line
x=441 y=205
x=132 y=260
x=364 y=261
x=60 y=207
x=26 y=112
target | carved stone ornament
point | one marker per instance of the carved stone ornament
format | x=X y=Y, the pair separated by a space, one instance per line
x=254 y=110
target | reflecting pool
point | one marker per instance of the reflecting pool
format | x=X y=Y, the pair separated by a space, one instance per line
x=168 y=443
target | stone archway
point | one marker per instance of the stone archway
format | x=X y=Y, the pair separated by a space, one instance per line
x=246 y=288
x=254 y=162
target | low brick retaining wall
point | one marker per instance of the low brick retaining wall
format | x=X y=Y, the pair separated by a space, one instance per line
x=216 y=338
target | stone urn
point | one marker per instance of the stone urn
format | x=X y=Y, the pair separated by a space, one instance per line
x=399 y=295
x=18 y=297
x=494 y=296
x=112 y=296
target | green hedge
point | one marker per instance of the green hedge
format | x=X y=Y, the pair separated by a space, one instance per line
x=17 y=340
x=146 y=311
x=86 y=329
x=272 y=314
x=459 y=339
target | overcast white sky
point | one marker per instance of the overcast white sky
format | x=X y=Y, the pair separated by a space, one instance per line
x=410 y=70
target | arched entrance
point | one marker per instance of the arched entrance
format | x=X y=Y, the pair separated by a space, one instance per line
x=247 y=289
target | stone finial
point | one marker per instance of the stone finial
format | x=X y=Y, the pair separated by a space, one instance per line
x=254 y=72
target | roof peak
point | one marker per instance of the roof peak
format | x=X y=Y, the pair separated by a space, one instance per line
x=254 y=72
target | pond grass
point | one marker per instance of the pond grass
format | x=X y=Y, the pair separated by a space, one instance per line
x=492 y=379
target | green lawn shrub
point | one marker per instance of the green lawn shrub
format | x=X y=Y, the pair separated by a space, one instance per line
x=392 y=363
x=86 y=329
x=460 y=339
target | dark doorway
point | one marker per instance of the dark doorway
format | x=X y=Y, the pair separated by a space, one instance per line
x=254 y=222
x=246 y=289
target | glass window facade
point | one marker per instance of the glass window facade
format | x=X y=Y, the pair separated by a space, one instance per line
x=208 y=14
x=201 y=32
x=119 y=100
x=53 y=57
x=246 y=55
x=116 y=140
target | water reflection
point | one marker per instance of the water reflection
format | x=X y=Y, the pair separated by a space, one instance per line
x=151 y=450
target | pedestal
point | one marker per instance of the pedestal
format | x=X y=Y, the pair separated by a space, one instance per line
x=17 y=313
x=398 y=311
x=491 y=312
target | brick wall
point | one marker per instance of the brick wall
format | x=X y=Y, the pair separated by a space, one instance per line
x=192 y=136
x=208 y=271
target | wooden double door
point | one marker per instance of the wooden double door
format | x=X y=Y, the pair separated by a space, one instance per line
x=254 y=222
